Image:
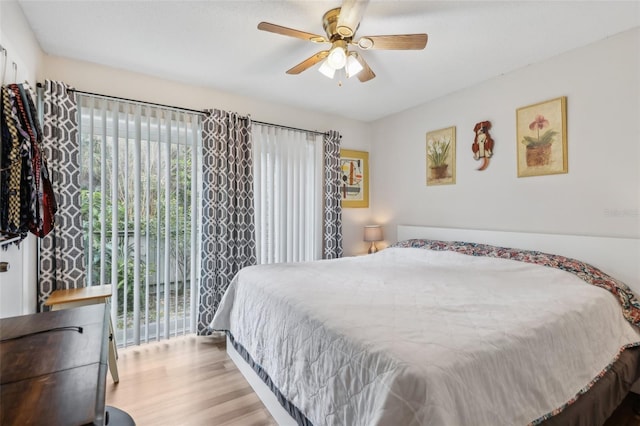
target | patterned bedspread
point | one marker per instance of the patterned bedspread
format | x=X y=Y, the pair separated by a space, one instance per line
x=431 y=333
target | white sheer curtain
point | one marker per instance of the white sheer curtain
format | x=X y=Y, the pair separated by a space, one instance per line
x=140 y=187
x=288 y=194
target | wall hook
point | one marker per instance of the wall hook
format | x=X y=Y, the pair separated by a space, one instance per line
x=3 y=51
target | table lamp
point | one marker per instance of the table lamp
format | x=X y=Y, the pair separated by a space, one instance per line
x=373 y=233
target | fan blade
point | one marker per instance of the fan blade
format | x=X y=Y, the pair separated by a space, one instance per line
x=394 y=42
x=366 y=74
x=351 y=13
x=309 y=62
x=273 y=28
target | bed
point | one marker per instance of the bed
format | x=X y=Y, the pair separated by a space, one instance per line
x=440 y=332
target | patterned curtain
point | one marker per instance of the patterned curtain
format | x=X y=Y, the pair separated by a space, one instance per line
x=228 y=229
x=332 y=220
x=61 y=251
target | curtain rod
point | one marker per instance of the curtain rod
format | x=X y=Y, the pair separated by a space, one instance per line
x=183 y=109
x=119 y=98
x=288 y=127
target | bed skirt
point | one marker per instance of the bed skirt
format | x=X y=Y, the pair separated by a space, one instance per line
x=596 y=406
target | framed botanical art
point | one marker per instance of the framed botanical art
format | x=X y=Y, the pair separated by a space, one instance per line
x=354 y=174
x=441 y=156
x=542 y=138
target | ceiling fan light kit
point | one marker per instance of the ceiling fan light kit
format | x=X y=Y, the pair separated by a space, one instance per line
x=352 y=67
x=340 y=25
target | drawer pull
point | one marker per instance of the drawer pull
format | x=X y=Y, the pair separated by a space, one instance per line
x=4 y=266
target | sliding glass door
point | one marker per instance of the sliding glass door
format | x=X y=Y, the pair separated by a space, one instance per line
x=141 y=180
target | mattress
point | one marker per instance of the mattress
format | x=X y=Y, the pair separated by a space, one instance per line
x=440 y=334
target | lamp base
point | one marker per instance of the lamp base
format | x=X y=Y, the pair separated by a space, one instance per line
x=373 y=248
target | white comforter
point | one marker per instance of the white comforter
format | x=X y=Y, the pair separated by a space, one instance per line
x=417 y=337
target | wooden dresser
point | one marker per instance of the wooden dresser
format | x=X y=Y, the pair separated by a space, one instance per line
x=53 y=367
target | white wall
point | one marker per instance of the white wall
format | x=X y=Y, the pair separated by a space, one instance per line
x=22 y=47
x=599 y=196
x=18 y=285
x=110 y=81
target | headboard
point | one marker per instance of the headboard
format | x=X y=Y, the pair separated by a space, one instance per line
x=618 y=257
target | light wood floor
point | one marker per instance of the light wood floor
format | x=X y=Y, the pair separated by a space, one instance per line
x=191 y=381
x=184 y=381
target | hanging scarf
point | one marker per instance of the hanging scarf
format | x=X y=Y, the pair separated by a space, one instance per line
x=28 y=202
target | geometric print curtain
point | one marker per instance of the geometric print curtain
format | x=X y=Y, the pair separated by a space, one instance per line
x=228 y=229
x=332 y=214
x=61 y=251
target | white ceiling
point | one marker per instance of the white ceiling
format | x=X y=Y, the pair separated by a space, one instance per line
x=216 y=44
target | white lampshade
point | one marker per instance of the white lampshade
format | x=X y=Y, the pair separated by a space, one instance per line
x=373 y=233
x=327 y=70
x=353 y=66
x=337 y=58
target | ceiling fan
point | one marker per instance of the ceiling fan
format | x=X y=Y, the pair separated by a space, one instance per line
x=341 y=25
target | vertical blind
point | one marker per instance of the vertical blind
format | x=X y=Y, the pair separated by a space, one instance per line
x=140 y=186
x=288 y=194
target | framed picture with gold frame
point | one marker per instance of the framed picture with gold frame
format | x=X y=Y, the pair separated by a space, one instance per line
x=354 y=177
x=441 y=157
x=542 y=138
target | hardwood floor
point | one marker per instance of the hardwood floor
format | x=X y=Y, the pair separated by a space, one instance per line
x=192 y=381
x=184 y=381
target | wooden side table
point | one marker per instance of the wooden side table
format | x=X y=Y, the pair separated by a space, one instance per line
x=72 y=298
x=53 y=368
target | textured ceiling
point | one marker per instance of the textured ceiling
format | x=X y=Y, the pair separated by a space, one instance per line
x=216 y=44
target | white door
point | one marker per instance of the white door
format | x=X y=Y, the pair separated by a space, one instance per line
x=11 y=287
